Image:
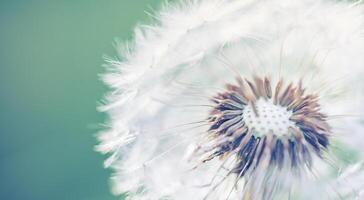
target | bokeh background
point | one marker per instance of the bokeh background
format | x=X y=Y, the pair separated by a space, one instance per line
x=50 y=60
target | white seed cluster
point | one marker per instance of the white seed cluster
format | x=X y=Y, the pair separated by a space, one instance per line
x=268 y=118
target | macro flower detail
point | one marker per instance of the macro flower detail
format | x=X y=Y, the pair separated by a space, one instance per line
x=239 y=100
x=250 y=119
x=261 y=126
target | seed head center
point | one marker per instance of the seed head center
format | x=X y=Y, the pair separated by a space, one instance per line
x=261 y=125
x=267 y=118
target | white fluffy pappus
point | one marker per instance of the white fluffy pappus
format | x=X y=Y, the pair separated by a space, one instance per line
x=162 y=111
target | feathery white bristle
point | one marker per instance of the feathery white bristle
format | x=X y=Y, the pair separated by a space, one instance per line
x=161 y=85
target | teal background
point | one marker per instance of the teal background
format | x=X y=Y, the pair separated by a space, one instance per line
x=50 y=58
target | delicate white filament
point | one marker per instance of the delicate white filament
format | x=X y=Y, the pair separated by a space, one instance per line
x=162 y=84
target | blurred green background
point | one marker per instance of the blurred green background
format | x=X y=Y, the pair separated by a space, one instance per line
x=50 y=58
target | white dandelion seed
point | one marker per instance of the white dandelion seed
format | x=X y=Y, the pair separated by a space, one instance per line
x=241 y=99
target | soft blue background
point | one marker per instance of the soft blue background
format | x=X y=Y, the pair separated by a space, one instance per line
x=50 y=57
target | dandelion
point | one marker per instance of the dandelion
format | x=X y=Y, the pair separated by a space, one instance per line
x=239 y=100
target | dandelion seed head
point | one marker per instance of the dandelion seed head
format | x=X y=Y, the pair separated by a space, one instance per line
x=251 y=118
x=176 y=130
